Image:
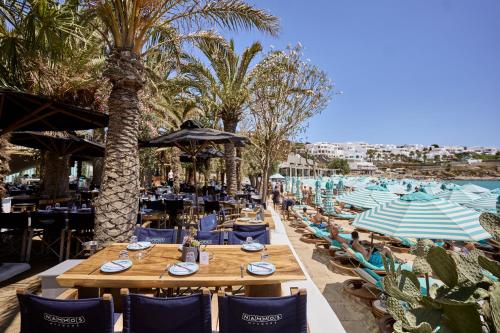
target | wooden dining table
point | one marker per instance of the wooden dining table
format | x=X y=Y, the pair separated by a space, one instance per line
x=149 y=272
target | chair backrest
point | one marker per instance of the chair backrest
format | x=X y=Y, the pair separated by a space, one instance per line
x=39 y=314
x=13 y=221
x=188 y=314
x=81 y=221
x=211 y=206
x=249 y=227
x=263 y=314
x=156 y=236
x=48 y=221
x=239 y=237
x=156 y=205
x=208 y=223
x=210 y=237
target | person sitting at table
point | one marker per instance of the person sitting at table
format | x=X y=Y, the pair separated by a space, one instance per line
x=375 y=252
x=319 y=220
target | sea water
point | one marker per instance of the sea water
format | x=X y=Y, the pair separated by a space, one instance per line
x=489 y=184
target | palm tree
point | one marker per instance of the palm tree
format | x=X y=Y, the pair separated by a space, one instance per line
x=133 y=28
x=228 y=78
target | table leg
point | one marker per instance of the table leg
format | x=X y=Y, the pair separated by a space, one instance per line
x=264 y=290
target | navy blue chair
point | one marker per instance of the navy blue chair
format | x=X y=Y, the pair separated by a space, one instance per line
x=208 y=222
x=263 y=314
x=157 y=236
x=249 y=227
x=39 y=314
x=239 y=237
x=210 y=237
x=186 y=314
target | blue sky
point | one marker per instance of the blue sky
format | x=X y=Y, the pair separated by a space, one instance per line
x=413 y=71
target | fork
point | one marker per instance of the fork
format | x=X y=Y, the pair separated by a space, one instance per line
x=166 y=270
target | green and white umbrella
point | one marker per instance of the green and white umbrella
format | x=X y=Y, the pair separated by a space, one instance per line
x=369 y=197
x=317 y=192
x=421 y=215
x=473 y=188
x=458 y=195
x=433 y=190
x=329 y=207
x=486 y=203
x=298 y=190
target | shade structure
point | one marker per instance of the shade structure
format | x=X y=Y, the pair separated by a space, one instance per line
x=433 y=190
x=61 y=143
x=473 y=188
x=367 y=198
x=191 y=134
x=486 y=203
x=329 y=204
x=459 y=196
x=277 y=176
x=421 y=215
x=317 y=192
x=20 y=111
x=203 y=155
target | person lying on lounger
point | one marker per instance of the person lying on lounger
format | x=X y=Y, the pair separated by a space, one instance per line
x=319 y=219
x=374 y=253
x=335 y=235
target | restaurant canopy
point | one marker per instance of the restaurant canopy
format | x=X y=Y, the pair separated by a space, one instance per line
x=20 y=111
x=203 y=155
x=61 y=143
x=192 y=138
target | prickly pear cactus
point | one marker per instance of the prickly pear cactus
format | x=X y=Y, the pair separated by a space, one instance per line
x=420 y=264
x=490 y=265
x=491 y=223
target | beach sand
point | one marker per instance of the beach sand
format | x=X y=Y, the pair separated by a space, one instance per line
x=355 y=314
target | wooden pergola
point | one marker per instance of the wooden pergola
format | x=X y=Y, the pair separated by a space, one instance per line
x=20 y=111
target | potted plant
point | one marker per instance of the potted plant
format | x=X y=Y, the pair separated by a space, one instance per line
x=190 y=245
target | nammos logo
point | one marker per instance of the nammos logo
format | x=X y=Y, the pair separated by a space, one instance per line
x=271 y=319
x=64 y=321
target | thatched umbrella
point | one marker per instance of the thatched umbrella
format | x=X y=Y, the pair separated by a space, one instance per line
x=192 y=139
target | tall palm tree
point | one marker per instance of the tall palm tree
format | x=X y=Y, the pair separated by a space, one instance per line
x=133 y=28
x=228 y=78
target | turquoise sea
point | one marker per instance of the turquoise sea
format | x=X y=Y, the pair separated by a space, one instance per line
x=489 y=184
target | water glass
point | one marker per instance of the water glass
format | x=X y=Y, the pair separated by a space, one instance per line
x=84 y=206
x=133 y=239
x=123 y=255
x=249 y=240
x=264 y=255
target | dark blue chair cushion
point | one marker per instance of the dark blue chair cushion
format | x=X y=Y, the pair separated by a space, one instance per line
x=186 y=314
x=156 y=236
x=39 y=314
x=263 y=314
x=208 y=223
x=239 y=237
x=210 y=237
x=249 y=228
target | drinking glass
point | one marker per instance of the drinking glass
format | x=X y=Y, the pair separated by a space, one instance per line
x=84 y=205
x=249 y=240
x=133 y=239
x=123 y=255
x=264 y=255
x=190 y=257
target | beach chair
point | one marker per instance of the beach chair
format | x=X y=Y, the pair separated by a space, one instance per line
x=51 y=229
x=188 y=314
x=66 y=313
x=344 y=215
x=158 y=236
x=348 y=260
x=80 y=229
x=239 y=237
x=263 y=314
x=210 y=237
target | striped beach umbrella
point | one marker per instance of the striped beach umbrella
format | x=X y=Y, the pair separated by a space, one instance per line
x=421 y=215
x=317 y=192
x=329 y=205
x=459 y=196
x=369 y=197
x=473 y=188
x=397 y=189
x=287 y=184
x=298 y=190
x=486 y=203
x=432 y=190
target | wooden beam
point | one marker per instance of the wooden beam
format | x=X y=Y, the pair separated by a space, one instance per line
x=29 y=119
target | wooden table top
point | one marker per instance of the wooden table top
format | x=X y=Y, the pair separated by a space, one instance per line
x=245 y=221
x=223 y=269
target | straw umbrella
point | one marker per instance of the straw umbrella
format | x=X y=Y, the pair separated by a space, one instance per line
x=193 y=139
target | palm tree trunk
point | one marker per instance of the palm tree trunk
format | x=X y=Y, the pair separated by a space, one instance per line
x=117 y=203
x=238 y=169
x=4 y=165
x=55 y=178
x=98 y=162
x=229 y=151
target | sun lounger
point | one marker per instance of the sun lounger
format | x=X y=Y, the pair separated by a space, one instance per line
x=348 y=260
